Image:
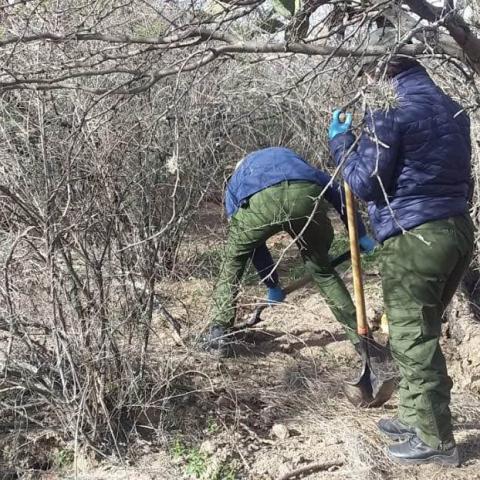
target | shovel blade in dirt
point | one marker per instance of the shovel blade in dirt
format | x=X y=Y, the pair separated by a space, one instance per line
x=371 y=388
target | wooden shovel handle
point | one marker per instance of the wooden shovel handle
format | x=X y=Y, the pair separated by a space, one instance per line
x=362 y=326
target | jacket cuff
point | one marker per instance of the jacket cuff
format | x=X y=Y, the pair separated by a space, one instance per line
x=339 y=144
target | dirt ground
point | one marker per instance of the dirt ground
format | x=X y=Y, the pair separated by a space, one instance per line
x=278 y=405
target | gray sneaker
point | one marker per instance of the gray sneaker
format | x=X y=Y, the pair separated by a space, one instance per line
x=218 y=341
x=415 y=452
x=395 y=429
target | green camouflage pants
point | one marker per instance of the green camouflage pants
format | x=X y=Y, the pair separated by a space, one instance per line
x=420 y=272
x=287 y=207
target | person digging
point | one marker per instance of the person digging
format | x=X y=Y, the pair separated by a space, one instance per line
x=411 y=164
x=274 y=190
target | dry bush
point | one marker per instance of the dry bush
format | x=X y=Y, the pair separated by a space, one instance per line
x=118 y=123
x=98 y=195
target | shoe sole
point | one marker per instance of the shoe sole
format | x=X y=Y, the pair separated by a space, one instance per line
x=450 y=461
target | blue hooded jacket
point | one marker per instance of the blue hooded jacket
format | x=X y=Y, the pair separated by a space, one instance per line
x=266 y=168
x=412 y=162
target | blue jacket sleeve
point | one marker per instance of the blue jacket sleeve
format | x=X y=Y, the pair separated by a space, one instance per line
x=335 y=195
x=371 y=164
x=230 y=206
x=264 y=264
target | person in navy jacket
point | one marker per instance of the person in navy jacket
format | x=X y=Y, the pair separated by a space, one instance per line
x=274 y=190
x=411 y=163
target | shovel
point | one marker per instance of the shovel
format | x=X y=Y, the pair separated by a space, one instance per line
x=370 y=389
x=256 y=318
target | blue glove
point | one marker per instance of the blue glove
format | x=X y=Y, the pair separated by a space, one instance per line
x=337 y=126
x=367 y=244
x=275 y=295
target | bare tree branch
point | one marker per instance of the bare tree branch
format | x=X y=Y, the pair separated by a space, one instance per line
x=456 y=25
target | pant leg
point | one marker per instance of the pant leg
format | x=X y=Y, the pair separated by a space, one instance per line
x=248 y=229
x=406 y=402
x=314 y=234
x=393 y=299
x=417 y=269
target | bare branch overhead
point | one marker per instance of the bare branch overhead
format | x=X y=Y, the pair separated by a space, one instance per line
x=118 y=48
x=458 y=28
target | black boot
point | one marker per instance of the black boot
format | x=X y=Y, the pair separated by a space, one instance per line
x=218 y=342
x=395 y=429
x=415 y=452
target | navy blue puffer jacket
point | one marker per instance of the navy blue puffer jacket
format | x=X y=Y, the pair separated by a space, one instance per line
x=412 y=162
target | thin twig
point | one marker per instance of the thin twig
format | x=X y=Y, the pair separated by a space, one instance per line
x=310 y=468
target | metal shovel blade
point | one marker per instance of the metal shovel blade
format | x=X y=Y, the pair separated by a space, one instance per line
x=370 y=389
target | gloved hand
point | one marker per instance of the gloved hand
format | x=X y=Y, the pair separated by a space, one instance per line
x=337 y=126
x=275 y=295
x=367 y=244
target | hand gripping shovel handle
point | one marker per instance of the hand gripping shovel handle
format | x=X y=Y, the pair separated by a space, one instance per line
x=362 y=326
